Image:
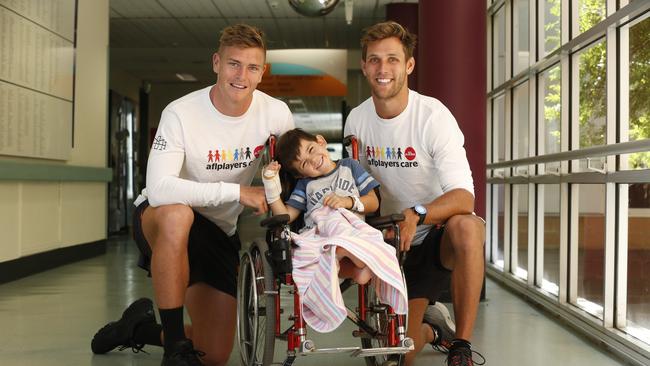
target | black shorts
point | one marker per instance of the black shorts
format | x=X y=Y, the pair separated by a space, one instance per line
x=425 y=275
x=213 y=255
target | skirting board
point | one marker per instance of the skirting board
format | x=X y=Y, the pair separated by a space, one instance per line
x=35 y=263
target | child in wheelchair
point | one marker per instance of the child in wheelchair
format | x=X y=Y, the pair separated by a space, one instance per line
x=333 y=196
x=322 y=182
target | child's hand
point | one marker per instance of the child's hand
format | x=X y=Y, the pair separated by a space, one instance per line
x=271 y=170
x=334 y=201
x=271 y=180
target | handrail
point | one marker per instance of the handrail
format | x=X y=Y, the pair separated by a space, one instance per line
x=11 y=170
x=589 y=152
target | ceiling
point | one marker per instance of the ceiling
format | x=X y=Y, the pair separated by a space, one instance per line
x=155 y=39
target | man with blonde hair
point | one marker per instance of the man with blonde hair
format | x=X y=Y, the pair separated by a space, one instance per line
x=427 y=179
x=185 y=223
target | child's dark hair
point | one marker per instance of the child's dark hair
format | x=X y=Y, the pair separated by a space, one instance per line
x=287 y=148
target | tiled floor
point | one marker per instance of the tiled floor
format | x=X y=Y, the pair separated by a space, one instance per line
x=49 y=319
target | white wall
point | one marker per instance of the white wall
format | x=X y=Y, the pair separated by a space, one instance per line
x=41 y=216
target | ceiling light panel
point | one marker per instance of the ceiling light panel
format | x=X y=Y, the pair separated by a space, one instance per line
x=192 y=8
x=138 y=9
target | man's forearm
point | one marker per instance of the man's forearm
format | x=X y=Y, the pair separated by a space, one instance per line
x=173 y=190
x=455 y=202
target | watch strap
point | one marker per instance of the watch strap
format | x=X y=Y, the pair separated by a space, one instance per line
x=422 y=216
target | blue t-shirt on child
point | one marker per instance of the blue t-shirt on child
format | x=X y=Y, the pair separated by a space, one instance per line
x=347 y=179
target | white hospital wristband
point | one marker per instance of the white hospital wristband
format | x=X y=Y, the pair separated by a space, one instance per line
x=358 y=205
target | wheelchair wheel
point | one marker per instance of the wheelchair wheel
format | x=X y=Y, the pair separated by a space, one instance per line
x=377 y=317
x=256 y=307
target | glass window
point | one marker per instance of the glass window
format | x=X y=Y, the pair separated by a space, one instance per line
x=520 y=122
x=591 y=247
x=551 y=87
x=499 y=47
x=521 y=229
x=499 y=113
x=590 y=13
x=520 y=34
x=639 y=93
x=551 y=21
x=577 y=99
x=638 y=260
x=550 y=200
x=592 y=89
x=500 y=199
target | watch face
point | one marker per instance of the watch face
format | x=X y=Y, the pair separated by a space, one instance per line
x=420 y=209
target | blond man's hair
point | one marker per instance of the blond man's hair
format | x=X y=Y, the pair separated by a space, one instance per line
x=385 y=30
x=242 y=36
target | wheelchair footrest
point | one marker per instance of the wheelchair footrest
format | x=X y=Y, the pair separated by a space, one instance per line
x=331 y=350
x=368 y=352
x=358 y=351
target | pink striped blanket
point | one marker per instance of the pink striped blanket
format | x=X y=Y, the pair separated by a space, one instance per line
x=315 y=269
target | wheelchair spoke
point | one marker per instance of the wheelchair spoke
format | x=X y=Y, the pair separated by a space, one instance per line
x=253 y=308
x=378 y=318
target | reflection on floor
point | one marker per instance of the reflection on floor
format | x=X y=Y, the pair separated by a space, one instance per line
x=49 y=319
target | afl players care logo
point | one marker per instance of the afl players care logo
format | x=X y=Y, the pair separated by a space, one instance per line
x=257 y=151
x=391 y=157
x=409 y=153
x=229 y=158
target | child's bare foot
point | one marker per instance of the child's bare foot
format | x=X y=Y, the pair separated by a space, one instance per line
x=362 y=275
x=346 y=268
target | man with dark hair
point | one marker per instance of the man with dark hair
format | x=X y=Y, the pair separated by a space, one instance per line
x=431 y=184
x=185 y=223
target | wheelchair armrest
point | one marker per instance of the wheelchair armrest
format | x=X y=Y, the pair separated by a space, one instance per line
x=275 y=221
x=385 y=221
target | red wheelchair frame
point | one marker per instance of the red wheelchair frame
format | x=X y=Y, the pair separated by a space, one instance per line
x=266 y=267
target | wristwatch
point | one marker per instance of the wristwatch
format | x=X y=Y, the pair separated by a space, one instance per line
x=421 y=211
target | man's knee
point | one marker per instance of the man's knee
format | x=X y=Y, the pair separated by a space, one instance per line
x=217 y=351
x=169 y=224
x=216 y=357
x=169 y=215
x=467 y=232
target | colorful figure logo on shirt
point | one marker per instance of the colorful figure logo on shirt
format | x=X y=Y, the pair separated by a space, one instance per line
x=230 y=158
x=391 y=156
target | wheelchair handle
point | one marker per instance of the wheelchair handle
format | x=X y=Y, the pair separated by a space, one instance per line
x=351 y=140
x=271 y=143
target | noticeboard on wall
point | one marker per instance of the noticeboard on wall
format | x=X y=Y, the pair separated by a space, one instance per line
x=37 y=44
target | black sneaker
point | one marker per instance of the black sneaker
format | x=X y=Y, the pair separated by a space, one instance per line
x=182 y=353
x=120 y=333
x=444 y=329
x=460 y=354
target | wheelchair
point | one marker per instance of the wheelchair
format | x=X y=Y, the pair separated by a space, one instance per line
x=265 y=269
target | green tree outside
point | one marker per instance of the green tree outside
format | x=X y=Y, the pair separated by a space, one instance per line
x=592 y=80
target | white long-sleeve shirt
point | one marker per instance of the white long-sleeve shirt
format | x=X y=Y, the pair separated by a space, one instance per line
x=416 y=156
x=200 y=156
